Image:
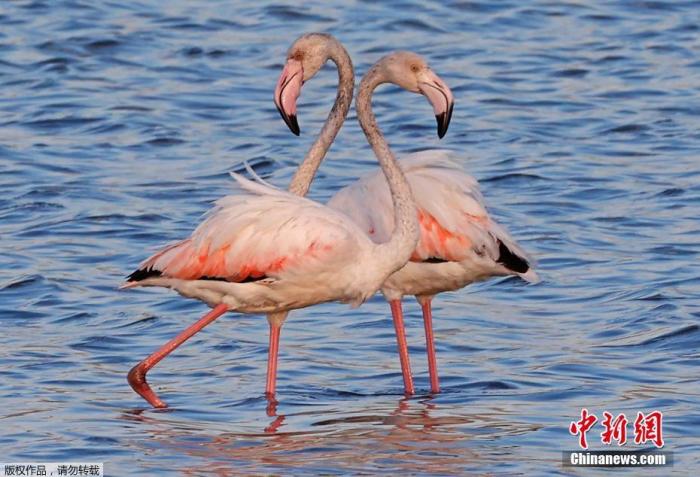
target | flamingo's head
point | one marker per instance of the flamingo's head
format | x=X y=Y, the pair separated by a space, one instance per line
x=411 y=72
x=305 y=58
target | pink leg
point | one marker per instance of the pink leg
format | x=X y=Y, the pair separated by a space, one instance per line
x=425 y=304
x=137 y=375
x=271 y=385
x=397 y=314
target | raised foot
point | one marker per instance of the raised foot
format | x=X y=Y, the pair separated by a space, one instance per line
x=137 y=381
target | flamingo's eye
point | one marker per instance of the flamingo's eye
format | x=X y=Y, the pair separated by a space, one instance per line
x=414 y=68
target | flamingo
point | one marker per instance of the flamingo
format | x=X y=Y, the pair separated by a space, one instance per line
x=459 y=241
x=270 y=251
x=307 y=55
x=305 y=58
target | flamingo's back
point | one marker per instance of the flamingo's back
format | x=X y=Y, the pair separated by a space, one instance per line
x=454 y=221
x=264 y=233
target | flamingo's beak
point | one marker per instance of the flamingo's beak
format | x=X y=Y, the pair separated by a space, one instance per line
x=440 y=96
x=287 y=91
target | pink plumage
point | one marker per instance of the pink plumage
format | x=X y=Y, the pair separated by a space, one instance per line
x=454 y=223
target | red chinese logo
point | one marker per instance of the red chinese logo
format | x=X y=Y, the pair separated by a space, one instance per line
x=582 y=426
x=614 y=429
x=647 y=428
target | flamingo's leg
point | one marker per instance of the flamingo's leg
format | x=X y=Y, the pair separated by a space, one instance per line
x=425 y=303
x=275 y=320
x=397 y=315
x=137 y=375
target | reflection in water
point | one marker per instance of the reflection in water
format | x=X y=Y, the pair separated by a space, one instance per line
x=271 y=411
x=411 y=437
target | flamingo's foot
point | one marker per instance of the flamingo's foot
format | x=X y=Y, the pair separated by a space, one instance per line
x=137 y=381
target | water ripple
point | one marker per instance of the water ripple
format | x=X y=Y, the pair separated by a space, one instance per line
x=121 y=120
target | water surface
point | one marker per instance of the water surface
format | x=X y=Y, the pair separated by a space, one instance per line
x=119 y=123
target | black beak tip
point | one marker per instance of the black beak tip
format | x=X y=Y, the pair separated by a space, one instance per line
x=443 y=121
x=442 y=124
x=291 y=121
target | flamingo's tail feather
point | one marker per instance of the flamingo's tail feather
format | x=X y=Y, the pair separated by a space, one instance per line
x=514 y=262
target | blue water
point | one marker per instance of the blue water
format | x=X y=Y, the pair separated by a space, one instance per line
x=119 y=123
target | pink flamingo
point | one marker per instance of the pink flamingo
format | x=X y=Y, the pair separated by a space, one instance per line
x=270 y=251
x=306 y=57
x=459 y=242
x=311 y=51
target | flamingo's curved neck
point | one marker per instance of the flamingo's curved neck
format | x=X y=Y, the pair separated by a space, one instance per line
x=395 y=253
x=301 y=182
